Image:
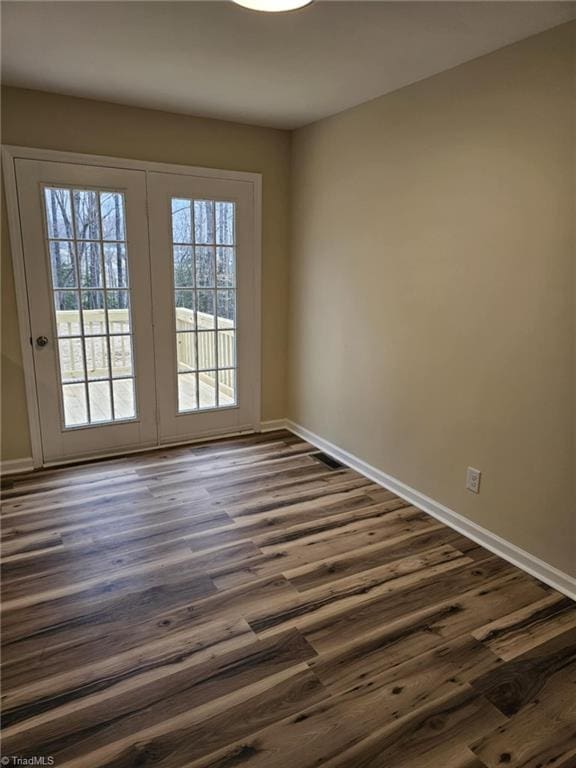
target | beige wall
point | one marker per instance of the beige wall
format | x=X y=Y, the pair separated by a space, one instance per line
x=35 y=119
x=432 y=290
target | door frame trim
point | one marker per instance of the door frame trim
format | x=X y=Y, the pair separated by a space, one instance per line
x=11 y=153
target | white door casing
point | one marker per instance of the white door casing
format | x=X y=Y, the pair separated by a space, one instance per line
x=147 y=190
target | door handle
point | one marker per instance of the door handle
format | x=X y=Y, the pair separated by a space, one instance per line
x=41 y=341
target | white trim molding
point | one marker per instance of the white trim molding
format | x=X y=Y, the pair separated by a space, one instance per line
x=273 y=425
x=16 y=466
x=13 y=152
x=541 y=570
x=20 y=286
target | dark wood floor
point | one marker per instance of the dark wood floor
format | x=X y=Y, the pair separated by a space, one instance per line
x=240 y=604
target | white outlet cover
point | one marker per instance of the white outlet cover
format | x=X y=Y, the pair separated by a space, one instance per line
x=473 y=479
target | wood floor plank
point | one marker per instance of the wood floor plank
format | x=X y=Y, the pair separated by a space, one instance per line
x=161 y=590
x=238 y=603
x=76 y=724
x=331 y=569
x=145 y=663
x=20 y=510
x=46 y=586
x=529 y=627
x=532 y=676
x=542 y=735
x=413 y=594
x=308 y=482
x=180 y=740
x=350 y=595
x=94 y=641
x=342 y=535
x=284 y=496
x=121 y=517
x=391 y=643
x=435 y=733
x=389 y=708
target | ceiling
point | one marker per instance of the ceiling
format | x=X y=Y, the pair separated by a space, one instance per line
x=219 y=60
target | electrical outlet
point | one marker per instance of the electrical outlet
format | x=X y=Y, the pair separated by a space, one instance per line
x=473 y=479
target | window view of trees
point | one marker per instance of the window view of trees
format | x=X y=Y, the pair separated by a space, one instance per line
x=87 y=245
x=204 y=256
x=87 y=249
x=204 y=261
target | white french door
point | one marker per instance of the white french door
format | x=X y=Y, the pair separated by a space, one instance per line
x=87 y=271
x=205 y=299
x=142 y=304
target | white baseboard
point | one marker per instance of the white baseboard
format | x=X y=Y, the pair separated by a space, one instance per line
x=550 y=575
x=14 y=466
x=273 y=426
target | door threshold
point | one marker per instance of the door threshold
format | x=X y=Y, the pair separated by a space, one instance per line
x=98 y=457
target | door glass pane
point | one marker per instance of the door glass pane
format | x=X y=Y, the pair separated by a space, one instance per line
x=225 y=223
x=115 y=265
x=181 y=221
x=204 y=272
x=226 y=309
x=118 y=308
x=93 y=313
x=63 y=264
x=183 y=266
x=205 y=267
x=75 y=408
x=225 y=277
x=205 y=315
x=90 y=265
x=206 y=349
x=123 y=391
x=121 y=356
x=208 y=389
x=226 y=388
x=112 y=215
x=58 y=207
x=187 y=392
x=86 y=214
x=100 y=401
x=226 y=349
x=66 y=306
x=86 y=243
x=204 y=221
x=97 y=364
x=185 y=306
x=186 y=352
x=71 y=360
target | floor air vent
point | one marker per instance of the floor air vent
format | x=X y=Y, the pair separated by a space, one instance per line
x=328 y=460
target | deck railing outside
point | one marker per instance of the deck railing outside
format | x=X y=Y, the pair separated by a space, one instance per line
x=206 y=349
x=118 y=321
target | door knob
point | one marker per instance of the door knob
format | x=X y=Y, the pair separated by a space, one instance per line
x=41 y=341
